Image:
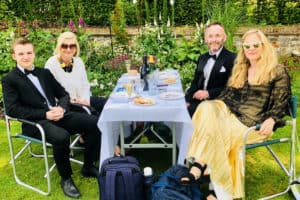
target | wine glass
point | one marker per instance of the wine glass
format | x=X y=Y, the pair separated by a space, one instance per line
x=127 y=65
x=129 y=87
x=139 y=86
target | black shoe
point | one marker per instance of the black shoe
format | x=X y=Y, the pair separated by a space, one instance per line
x=69 y=188
x=90 y=171
x=189 y=178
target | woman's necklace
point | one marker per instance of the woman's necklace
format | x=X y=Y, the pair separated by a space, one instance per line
x=66 y=67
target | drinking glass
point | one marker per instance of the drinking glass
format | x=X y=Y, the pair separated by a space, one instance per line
x=129 y=87
x=127 y=65
x=139 y=86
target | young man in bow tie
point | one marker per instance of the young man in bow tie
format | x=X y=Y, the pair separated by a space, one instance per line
x=33 y=93
x=213 y=68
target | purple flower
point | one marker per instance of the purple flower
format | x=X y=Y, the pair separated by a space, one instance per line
x=35 y=23
x=81 y=22
x=71 y=24
x=25 y=32
x=74 y=30
x=22 y=23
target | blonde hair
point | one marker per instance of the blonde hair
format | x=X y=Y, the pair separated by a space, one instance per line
x=20 y=41
x=267 y=62
x=60 y=41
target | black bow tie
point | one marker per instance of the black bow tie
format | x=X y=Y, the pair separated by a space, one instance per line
x=212 y=56
x=30 y=71
x=68 y=68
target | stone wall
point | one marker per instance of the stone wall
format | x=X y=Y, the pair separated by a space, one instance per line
x=285 y=39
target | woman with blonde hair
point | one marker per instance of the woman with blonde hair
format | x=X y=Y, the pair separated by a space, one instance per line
x=258 y=91
x=69 y=70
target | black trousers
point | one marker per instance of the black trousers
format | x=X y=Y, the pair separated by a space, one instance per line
x=98 y=103
x=192 y=107
x=58 y=134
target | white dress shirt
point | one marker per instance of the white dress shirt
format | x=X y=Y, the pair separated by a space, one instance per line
x=36 y=83
x=208 y=67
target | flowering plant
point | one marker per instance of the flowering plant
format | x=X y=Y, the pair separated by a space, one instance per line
x=77 y=29
x=117 y=62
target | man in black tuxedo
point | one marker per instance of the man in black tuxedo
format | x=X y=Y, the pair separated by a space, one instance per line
x=33 y=93
x=213 y=68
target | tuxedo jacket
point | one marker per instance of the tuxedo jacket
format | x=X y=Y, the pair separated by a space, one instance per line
x=23 y=100
x=219 y=75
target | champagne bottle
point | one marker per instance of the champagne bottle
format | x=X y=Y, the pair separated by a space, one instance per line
x=144 y=68
x=144 y=72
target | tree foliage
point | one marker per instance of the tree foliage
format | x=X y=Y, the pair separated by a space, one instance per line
x=186 y=11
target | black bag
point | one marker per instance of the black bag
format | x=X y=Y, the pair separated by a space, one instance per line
x=120 y=178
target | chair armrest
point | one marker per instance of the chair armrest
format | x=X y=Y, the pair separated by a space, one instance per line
x=37 y=125
x=21 y=120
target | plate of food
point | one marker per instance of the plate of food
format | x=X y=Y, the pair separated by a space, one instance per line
x=171 y=95
x=143 y=101
x=166 y=78
x=170 y=80
x=132 y=72
x=120 y=97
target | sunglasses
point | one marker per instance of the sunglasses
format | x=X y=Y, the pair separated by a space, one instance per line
x=255 y=45
x=66 y=46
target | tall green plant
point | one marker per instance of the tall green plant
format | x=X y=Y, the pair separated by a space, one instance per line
x=165 y=12
x=147 y=11
x=119 y=23
x=172 y=2
x=138 y=13
x=155 y=12
x=5 y=13
x=67 y=11
x=6 y=39
x=230 y=17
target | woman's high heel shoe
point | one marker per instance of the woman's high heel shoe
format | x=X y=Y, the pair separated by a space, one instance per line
x=190 y=179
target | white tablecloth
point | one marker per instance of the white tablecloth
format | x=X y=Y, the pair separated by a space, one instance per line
x=163 y=110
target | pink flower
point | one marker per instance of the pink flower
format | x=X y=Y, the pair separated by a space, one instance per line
x=25 y=32
x=22 y=23
x=74 y=30
x=35 y=23
x=81 y=22
x=71 y=24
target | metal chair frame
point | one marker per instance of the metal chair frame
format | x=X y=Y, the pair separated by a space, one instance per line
x=28 y=141
x=290 y=171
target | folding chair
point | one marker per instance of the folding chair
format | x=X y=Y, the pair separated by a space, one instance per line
x=30 y=140
x=290 y=171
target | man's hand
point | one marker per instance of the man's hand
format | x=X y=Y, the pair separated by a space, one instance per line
x=267 y=127
x=201 y=95
x=55 y=113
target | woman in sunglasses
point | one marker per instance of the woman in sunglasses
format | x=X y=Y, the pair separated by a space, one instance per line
x=258 y=91
x=69 y=70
